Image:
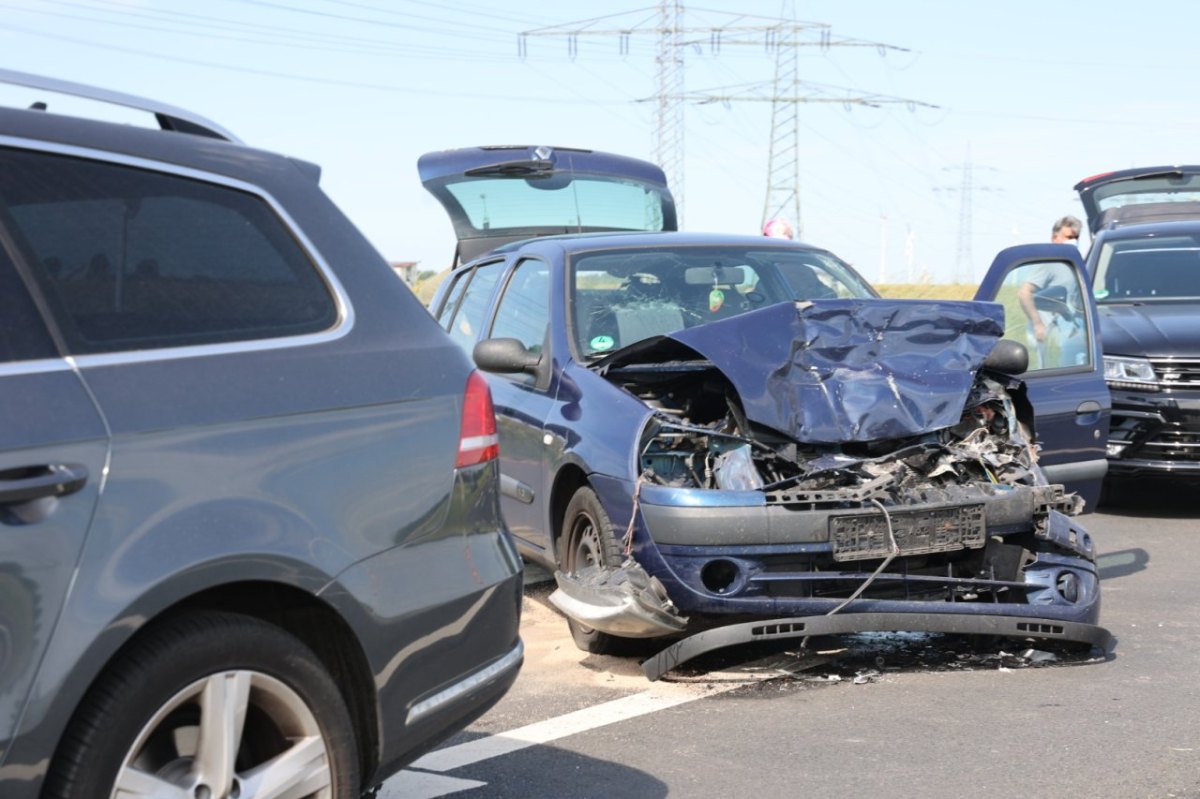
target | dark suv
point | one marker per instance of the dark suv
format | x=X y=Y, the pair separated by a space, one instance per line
x=248 y=488
x=1144 y=265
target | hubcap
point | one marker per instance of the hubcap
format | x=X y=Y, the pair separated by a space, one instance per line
x=231 y=735
x=586 y=552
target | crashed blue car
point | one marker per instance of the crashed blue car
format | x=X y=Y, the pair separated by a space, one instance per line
x=715 y=439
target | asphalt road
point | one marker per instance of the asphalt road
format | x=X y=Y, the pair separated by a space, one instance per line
x=920 y=716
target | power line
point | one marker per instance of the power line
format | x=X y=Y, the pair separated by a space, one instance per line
x=781 y=37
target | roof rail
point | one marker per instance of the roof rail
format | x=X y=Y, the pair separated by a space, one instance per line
x=169 y=117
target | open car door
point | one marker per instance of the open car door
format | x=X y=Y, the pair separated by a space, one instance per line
x=1048 y=308
x=495 y=195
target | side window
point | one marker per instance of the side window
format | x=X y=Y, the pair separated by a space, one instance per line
x=459 y=283
x=134 y=259
x=524 y=310
x=23 y=335
x=469 y=320
x=1044 y=310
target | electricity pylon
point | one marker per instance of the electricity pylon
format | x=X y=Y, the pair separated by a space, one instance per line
x=782 y=37
x=963 y=271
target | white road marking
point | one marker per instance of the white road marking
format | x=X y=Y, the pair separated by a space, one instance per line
x=422 y=785
x=660 y=697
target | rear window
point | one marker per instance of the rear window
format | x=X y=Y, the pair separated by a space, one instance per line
x=134 y=259
x=1143 y=191
x=504 y=203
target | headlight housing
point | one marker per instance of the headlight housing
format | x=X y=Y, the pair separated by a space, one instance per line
x=1131 y=373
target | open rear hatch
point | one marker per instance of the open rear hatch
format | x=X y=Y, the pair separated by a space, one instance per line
x=1136 y=196
x=499 y=194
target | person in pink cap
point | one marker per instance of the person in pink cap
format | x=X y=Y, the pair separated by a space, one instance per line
x=778 y=228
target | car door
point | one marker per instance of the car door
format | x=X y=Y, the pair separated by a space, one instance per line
x=523 y=401
x=53 y=453
x=1048 y=308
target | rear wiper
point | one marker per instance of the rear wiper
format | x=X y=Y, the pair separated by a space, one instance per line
x=511 y=168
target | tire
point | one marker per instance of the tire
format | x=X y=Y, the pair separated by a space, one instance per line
x=587 y=541
x=139 y=726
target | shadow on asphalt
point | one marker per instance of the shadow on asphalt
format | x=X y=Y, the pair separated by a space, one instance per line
x=550 y=772
x=1161 y=498
x=1122 y=563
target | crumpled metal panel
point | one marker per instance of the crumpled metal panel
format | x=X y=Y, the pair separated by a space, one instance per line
x=847 y=370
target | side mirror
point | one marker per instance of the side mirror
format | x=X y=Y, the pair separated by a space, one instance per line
x=505 y=356
x=1009 y=357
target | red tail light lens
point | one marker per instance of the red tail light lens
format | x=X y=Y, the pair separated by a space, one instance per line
x=477 y=440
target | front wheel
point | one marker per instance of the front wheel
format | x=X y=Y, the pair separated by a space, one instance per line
x=210 y=705
x=587 y=542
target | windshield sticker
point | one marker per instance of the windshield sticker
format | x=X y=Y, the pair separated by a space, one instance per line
x=601 y=343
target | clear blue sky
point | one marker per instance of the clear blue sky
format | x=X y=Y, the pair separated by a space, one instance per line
x=1042 y=94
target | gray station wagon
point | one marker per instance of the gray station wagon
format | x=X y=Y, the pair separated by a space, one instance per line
x=251 y=540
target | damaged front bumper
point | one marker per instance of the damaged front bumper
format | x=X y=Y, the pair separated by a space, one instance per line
x=624 y=601
x=846 y=623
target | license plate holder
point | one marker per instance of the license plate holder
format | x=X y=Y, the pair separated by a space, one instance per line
x=865 y=537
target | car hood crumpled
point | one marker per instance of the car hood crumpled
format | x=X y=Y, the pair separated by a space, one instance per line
x=837 y=371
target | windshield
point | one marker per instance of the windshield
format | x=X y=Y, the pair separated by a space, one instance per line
x=1140 y=270
x=620 y=297
x=502 y=203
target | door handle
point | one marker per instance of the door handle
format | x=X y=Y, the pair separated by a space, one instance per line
x=1088 y=414
x=34 y=482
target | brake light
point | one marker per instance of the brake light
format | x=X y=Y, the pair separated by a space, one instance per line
x=477 y=439
x=1094 y=177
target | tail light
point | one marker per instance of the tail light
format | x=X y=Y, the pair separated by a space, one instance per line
x=477 y=439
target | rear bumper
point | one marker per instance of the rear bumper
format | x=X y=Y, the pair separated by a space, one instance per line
x=844 y=623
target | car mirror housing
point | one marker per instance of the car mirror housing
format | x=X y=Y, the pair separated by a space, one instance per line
x=1009 y=357
x=505 y=356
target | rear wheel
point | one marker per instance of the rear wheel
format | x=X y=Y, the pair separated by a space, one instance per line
x=211 y=705
x=587 y=542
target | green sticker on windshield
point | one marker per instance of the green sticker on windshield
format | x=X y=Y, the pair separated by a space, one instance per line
x=1100 y=293
x=601 y=343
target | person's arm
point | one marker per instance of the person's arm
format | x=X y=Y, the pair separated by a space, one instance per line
x=1025 y=297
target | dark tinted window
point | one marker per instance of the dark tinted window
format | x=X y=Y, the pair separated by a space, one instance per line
x=23 y=336
x=133 y=259
x=524 y=308
x=466 y=324
x=456 y=290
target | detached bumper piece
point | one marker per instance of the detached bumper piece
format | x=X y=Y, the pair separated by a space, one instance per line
x=624 y=601
x=844 y=623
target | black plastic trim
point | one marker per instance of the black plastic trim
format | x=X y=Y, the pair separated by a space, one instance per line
x=843 y=623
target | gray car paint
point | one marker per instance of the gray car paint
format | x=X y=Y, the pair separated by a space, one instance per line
x=324 y=469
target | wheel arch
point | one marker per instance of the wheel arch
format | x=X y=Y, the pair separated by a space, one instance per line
x=569 y=479
x=307 y=617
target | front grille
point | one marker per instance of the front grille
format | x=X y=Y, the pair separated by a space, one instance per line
x=1176 y=373
x=1173 y=445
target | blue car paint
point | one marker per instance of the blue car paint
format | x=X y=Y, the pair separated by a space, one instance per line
x=846 y=370
x=1073 y=404
x=597 y=426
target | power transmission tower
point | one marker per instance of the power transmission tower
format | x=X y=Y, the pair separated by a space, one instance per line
x=782 y=37
x=669 y=129
x=963 y=271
